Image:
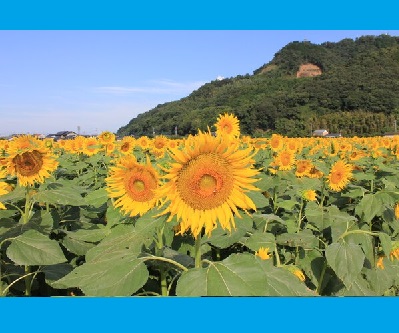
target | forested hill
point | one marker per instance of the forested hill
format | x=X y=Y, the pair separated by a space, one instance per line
x=351 y=87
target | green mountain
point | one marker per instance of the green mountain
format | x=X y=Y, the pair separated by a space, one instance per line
x=351 y=87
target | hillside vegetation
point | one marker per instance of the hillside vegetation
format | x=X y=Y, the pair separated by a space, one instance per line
x=354 y=90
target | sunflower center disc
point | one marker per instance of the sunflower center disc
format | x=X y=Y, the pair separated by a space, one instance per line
x=29 y=163
x=205 y=182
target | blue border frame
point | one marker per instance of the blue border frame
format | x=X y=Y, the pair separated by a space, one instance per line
x=210 y=314
x=197 y=15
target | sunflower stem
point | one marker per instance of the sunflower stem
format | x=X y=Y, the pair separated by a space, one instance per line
x=278 y=263
x=162 y=271
x=28 y=281
x=26 y=214
x=300 y=215
x=198 y=251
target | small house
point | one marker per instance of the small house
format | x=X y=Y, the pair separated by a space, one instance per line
x=320 y=132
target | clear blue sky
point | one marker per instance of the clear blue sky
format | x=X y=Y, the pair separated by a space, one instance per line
x=54 y=80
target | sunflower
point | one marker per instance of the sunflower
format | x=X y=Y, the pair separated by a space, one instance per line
x=396 y=210
x=133 y=184
x=207 y=181
x=276 y=142
x=263 y=253
x=309 y=195
x=144 y=142
x=106 y=137
x=285 y=160
x=380 y=262
x=91 y=146
x=3 y=186
x=339 y=176
x=303 y=168
x=228 y=124
x=30 y=160
x=127 y=144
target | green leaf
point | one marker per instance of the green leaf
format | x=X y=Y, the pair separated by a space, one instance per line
x=92 y=235
x=97 y=198
x=223 y=238
x=62 y=195
x=368 y=207
x=303 y=239
x=260 y=239
x=358 y=287
x=127 y=238
x=76 y=246
x=17 y=194
x=237 y=275
x=120 y=276
x=258 y=198
x=381 y=280
x=281 y=282
x=240 y=275
x=317 y=215
x=34 y=248
x=346 y=260
x=386 y=243
x=53 y=273
x=287 y=204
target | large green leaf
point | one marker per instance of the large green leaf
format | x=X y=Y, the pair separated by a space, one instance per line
x=120 y=276
x=260 y=239
x=237 y=275
x=304 y=239
x=97 y=198
x=223 y=238
x=127 y=237
x=346 y=260
x=55 y=272
x=34 y=248
x=240 y=275
x=258 y=199
x=281 y=282
x=60 y=195
x=370 y=206
x=358 y=287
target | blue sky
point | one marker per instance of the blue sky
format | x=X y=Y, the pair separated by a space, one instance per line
x=54 y=80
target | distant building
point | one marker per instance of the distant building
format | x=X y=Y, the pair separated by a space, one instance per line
x=391 y=134
x=320 y=132
x=63 y=135
x=333 y=135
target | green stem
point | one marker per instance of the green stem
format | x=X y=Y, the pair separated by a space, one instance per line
x=198 y=251
x=275 y=208
x=162 y=270
x=27 y=210
x=300 y=215
x=278 y=263
x=358 y=231
x=28 y=281
x=321 y=277
x=183 y=268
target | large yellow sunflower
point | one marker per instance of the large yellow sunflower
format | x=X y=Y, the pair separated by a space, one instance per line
x=285 y=160
x=127 y=144
x=207 y=182
x=30 y=160
x=228 y=124
x=303 y=168
x=106 y=137
x=91 y=146
x=339 y=176
x=134 y=185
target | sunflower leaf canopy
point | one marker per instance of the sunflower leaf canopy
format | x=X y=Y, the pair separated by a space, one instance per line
x=240 y=275
x=34 y=248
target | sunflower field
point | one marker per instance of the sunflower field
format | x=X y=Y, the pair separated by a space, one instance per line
x=212 y=214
